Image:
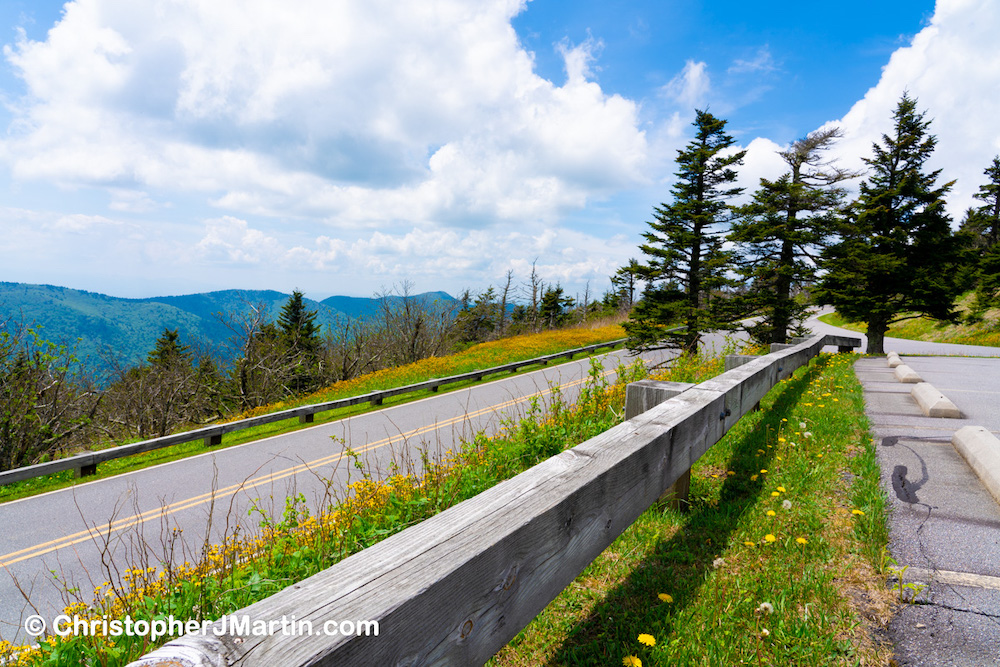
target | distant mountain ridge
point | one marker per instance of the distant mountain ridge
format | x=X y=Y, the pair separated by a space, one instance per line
x=103 y=327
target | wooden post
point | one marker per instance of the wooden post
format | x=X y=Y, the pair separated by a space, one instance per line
x=213 y=440
x=645 y=394
x=736 y=360
x=307 y=419
x=85 y=469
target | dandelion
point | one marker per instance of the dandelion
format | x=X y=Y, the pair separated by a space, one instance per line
x=765 y=633
x=775 y=493
x=781 y=439
x=753 y=478
x=781 y=489
x=787 y=504
x=802 y=425
x=718 y=562
x=648 y=640
x=631 y=661
x=808 y=434
x=766 y=608
x=770 y=538
x=763 y=471
x=665 y=597
x=749 y=544
x=801 y=540
x=858 y=512
x=771 y=513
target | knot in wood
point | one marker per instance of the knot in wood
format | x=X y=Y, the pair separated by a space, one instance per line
x=509 y=580
x=467 y=628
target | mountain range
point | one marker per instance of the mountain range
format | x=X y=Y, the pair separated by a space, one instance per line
x=106 y=330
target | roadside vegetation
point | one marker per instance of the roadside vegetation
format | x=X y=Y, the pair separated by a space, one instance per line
x=263 y=556
x=971 y=328
x=780 y=559
x=731 y=579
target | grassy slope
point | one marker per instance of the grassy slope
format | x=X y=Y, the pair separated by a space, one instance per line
x=742 y=578
x=986 y=332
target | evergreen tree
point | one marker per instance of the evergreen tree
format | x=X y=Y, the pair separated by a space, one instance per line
x=552 y=309
x=781 y=232
x=987 y=221
x=897 y=258
x=168 y=350
x=686 y=264
x=298 y=325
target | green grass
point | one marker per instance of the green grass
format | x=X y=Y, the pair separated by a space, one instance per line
x=732 y=594
x=485 y=355
x=985 y=332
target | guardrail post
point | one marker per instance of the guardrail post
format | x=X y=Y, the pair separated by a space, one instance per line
x=213 y=440
x=85 y=469
x=643 y=395
x=307 y=419
x=736 y=360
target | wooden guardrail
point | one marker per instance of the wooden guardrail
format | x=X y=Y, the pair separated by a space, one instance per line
x=86 y=463
x=454 y=589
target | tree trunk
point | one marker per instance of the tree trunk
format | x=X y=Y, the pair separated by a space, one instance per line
x=876 y=335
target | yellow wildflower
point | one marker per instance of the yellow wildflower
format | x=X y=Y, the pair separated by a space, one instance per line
x=648 y=640
x=665 y=597
x=770 y=538
x=801 y=540
x=858 y=512
x=770 y=513
x=631 y=661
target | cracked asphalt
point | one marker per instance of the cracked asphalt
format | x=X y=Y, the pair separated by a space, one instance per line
x=944 y=525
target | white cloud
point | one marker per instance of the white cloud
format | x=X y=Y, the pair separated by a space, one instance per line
x=355 y=113
x=952 y=67
x=690 y=88
x=762 y=62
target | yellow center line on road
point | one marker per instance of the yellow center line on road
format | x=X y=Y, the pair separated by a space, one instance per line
x=216 y=494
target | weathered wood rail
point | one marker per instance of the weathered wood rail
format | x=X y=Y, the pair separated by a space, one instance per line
x=455 y=588
x=86 y=463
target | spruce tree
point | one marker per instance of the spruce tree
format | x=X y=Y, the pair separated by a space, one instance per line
x=298 y=325
x=781 y=232
x=686 y=265
x=897 y=257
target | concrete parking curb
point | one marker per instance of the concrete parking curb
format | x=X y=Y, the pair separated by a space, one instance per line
x=907 y=375
x=893 y=360
x=981 y=450
x=933 y=403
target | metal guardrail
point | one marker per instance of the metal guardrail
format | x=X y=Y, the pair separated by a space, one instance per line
x=86 y=463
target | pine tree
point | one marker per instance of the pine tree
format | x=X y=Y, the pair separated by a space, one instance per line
x=988 y=219
x=298 y=325
x=897 y=258
x=686 y=264
x=781 y=232
x=168 y=350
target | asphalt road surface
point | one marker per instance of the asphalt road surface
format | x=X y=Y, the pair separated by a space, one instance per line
x=88 y=533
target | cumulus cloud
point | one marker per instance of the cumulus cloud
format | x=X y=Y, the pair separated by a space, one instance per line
x=353 y=113
x=951 y=67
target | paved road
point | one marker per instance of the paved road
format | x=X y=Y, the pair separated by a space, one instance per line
x=84 y=531
x=944 y=526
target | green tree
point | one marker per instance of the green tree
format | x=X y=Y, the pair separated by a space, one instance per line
x=781 y=232
x=168 y=350
x=552 y=310
x=987 y=222
x=298 y=325
x=686 y=265
x=44 y=407
x=897 y=257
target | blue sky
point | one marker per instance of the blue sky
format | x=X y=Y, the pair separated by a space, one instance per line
x=153 y=147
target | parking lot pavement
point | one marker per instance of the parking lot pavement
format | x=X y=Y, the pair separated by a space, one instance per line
x=944 y=525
